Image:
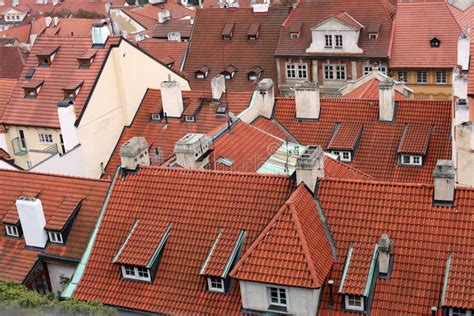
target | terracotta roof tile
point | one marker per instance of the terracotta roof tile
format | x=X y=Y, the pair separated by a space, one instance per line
x=349 y=20
x=12 y=62
x=292 y=250
x=415 y=139
x=20 y=33
x=430 y=20
x=370 y=91
x=470 y=78
x=71 y=27
x=6 y=89
x=183 y=27
x=165 y=50
x=346 y=136
x=376 y=153
x=198 y=203
x=42 y=111
x=459 y=288
x=221 y=253
x=358 y=267
x=63 y=213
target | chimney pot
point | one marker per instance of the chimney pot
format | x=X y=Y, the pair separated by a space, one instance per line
x=134 y=152
x=31 y=214
x=218 y=87
x=444 y=175
x=310 y=166
x=192 y=151
x=307 y=100
x=172 y=98
x=386 y=100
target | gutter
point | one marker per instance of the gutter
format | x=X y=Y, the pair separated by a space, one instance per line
x=67 y=293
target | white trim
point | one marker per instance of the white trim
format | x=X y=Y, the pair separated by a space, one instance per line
x=127 y=273
x=55 y=237
x=279 y=297
x=354 y=307
x=216 y=284
x=12 y=230
x=414 y=160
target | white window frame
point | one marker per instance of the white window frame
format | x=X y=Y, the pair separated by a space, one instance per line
x=12 y=231
x=459 y=312
x=55 y=237
x=413 y=160
x=443 y=76
x=294 y=35
x=328 y=72
x=344 y=155
x=373 y=36
x=279 y=298
x=45 y=138
x=290 y=71
x=215 y=284
x=351 y=306
x=133 y=273
x=340 y=72
x=338 y=41
x=425 y=81
x=405 y=76
x=367 y=70
x=189 y=118
x=328 y=42
x=383 y=69
x=296 y=71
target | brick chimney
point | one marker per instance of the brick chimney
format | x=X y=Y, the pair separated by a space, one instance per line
x=192 y=151
x=134 y=152
x=218 y=87
x=172 y=98
x=384 y=253
x=31 y=214
x=386 y=100
x=310 y=166
x=444 y=174
x=307 y=101
x=67 y=119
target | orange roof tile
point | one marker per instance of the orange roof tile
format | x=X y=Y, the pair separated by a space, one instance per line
x=165 y=50
x=292 y=250
x=470 y=78
x=198 y=203
x=12 y=62
x=346 y=136
x=415 y=139
x=6 y=89
x=42 y=111
x=71 y=27
x=416 y=24
x=349 y=20
x=370 y=91
x=376 y=153
x=20 y=33
x=459 y=288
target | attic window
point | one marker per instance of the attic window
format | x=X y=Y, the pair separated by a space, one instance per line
x=12 y=231
x=373 y=36
x=189 y=118
x=295 y=30
x=252 y=33
x=202 y=72
x=86 y=59
x=254 y=73
x=225 y=161
x=72 y=89
x=55 y=237
x=229 y=72
x=345 y=156
x=156 y=117
x=228 y=31
x=216 y=284
x=435 y=43
x=278 y=298
x=411 y=160
x=32 y=89
x=221 y=108
x=374 y=29
x=136 y=273
x=30 y=73
x=46 y=56
x=354 y=302
x=460 y=312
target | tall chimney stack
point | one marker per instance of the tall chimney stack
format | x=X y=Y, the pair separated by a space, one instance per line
x=385 y=249
x=31 y=214
x=444 y=174
x=134 y=152
x=307 y=101
x=218 y=87
x=172 y=98
x=310 y=166
x=386 y=100
x=192 y=151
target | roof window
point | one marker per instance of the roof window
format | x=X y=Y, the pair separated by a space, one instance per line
x=202 y=72
x=254 y=73
x=72 y=89
x=228 y=31
x=374 y=29
x=354 y=302
x=295 y=30
x=30 y=73
x=435 y=43
x=46 y=56
x=13 y=230
x=278 y=298
x=32 y=89
x=86 y=59
x=59 y=226
x=229 y=72
x=253 y=31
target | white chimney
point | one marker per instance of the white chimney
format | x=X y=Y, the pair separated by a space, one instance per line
x=384 y=252
x=386 y=100
x=31 y=214
x=67 y=121
x=461 y=114
x=310 y=166
x=134 y=152
x=171 y=98
x=307 y=101
x=262 y=102
x=444 y=182
x=55 y=21
x=463 y=52
x=218 y=87
x=192 y=151
x=47 y=21
x=459 y=84
x=163 y=16
x=100 y=33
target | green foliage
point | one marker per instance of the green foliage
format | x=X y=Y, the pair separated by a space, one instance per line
x=14 y=296
x=80 y=14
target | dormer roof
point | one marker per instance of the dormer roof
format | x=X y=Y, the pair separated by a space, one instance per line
x=415 y=139
x=346 y=136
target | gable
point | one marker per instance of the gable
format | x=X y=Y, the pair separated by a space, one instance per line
x=333 y=24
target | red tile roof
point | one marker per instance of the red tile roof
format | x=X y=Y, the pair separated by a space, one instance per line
x=42 y=111
x=376 y=153
x=208 y=48
x=310 y=14
x=198 y=204
x=346 y=136
x=71 y=27
x=358 y=268
x=182 y=26
x=292 y=250
x=15 y=260
x=163 y=135
x=12 y=61
x=165 y=51
x=470 y=78
x=412 y=49
x=424 y=236
x=415 y=139
x=346 y=18
x=370 y=91
x=20 y=33
x=6 y=89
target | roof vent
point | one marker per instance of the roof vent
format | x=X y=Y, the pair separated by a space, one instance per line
x=444 y=174
x=435 y=43
x=193 y=150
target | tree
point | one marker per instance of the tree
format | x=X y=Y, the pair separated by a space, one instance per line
x=17 y=299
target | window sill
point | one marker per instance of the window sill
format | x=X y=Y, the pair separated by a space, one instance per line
x=277 y=308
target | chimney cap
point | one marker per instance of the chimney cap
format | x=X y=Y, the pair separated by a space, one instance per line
x=307 y=85
x=65 y=103
x=169 y=84
x=385 y=244
x=386 y=83
x=444 y=169
x=265 y=84
x=133 y=146
x=308 y=158
x=190 y=141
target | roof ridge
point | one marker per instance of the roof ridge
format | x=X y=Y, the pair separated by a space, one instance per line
x=380 y=182
x=54 y=175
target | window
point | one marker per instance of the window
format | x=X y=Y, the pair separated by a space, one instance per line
x=343 y=155
x=189 y=118
x=156 y=117
x=403 y=76
x=45 y=138
x=12 y=231
x=278 y=298
x=367 y=70
x=328 y=72
x=290 y=71
x=136 y=273
x=355 y=302
x=216 y=284
x=338 y=40
x=421 y=77
x=328 y=39
x=296 y=71
x=383 y=69
x=200 y=75
x=411 y=160
x=460 y=312
x=373 y=36
x=340 y=72
x=441 y=77
x=302 y=71
x=55 y=237
x=294 y=35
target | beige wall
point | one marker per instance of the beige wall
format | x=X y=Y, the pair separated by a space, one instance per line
x=464 y=154
x=431 y=90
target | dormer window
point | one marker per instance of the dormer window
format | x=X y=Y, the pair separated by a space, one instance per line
x=252 y=33
x=216 y=284
x=189 y=118
x=32 y=89
x=12 y=231
x=255 y=73
x=202 y=72
x=411 y=160
x=278 y=299
x=338 y=41
x=328 y=41
x=295 y=30
x=229 y=72
x=374 y=29
x=228 y=31
x=86 y=59
x=136 y=273
x=435 y=43
x=345 y=156
x=55 y=237
x=373 y=36
x=72 y=89
x=354 y=302
x=460 y=312
x=414 y=144
x=156 y=117
x=46 y=57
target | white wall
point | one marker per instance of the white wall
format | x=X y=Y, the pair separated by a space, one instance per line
x=301 y=301
x=56 y=270
x=4 y=165
x=350 y=38
x=71 y=164
x=463 y=146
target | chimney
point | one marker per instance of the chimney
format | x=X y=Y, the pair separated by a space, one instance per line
x=463 y=52
x=47 y=21
x=262 y=102
x=386 y=100
x=55 y=21
x=192 y=151
x=459 y=84
x=100 y=33
x=307 y=101
x=310 y=166
x=134 y=152
x=444 y=182
x=384 y=252
x=171 y=98
x=67 y=119
x=218 y=87
x=163 y=16
x=31 y=214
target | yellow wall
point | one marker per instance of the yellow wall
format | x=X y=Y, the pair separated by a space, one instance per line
x=431 y=90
